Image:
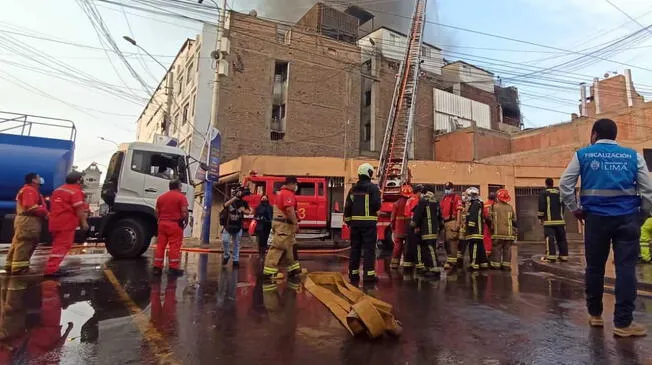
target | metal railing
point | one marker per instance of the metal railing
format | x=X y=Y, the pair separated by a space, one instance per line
x=35 y=125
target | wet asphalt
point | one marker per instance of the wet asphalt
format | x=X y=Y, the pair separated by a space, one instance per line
x=114 y=312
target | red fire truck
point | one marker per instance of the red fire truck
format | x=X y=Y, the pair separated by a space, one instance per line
x=318 y=203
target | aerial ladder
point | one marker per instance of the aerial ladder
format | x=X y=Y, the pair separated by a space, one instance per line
x=393 y=169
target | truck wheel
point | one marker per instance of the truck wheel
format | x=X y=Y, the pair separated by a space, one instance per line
x=127 y=239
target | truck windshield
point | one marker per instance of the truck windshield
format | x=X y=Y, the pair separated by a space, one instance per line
x=161 y=165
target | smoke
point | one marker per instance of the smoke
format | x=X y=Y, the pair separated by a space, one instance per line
x=394 y=14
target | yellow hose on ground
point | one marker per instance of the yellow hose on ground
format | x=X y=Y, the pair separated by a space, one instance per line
x=357 y=311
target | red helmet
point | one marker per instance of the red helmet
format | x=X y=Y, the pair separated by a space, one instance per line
x=406 y=190
x=503 y=196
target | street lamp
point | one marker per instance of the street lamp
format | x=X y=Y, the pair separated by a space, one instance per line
x=133 y=42
x=108 y=140
x=170 y=86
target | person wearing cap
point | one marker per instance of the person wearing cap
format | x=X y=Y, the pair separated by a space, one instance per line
x=172 y=217
x=285 y=225
x=30 y=212
x=411 y=257
x=361 y=214
x=463 y=243
x=451 y=207
x=551 y=215
x=503 y=230
x=615 y=190
x=475 y=219
x=399 y=224
x=66 y=214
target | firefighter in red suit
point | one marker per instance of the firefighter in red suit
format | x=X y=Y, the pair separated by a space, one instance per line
x=400 y=224
x=486 y=240
x=66 y=214
x=172 y=214
x=411 y=258
x=30 y=212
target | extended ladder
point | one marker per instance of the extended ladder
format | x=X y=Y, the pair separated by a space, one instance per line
x=393 y=163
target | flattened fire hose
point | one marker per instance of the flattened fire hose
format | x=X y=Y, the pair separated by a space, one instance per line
x=359 y=313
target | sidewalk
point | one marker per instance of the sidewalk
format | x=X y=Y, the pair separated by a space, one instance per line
x=574 y=268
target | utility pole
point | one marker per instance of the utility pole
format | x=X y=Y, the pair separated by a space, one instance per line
x=208 y=183
x=168 y=106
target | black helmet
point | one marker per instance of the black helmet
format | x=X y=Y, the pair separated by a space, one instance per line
x=74 y=177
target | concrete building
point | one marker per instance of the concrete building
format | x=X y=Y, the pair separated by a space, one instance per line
x=191 y=77
x=309 y=95
x=92 y=188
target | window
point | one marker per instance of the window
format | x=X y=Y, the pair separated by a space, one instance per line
x=160 y=165
x=180 y=88
x=367 y=132
x=194 y=104
x=185 y=114
x=306 y=189
x=321 y=189
x=277 y=186
x=257 y=187
x=426 y=52
x=189 y=73
x=279 y=99
x=493 y=188
x=647 y=155
x=393 y=39
x=367 y=98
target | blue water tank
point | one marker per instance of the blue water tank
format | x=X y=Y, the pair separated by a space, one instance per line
x=50 y=158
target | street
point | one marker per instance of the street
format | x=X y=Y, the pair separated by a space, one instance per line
x=115 y=313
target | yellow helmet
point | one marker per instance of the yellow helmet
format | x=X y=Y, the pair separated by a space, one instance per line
x=366 y=170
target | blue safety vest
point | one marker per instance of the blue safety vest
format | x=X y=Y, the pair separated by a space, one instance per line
x=608 y=174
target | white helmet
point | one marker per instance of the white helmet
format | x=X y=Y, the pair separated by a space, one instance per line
x=472 y=191
x=366 y=170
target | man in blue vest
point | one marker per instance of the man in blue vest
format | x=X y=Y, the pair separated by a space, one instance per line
x=615 y=189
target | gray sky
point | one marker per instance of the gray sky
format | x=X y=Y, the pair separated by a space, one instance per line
x=572 y=25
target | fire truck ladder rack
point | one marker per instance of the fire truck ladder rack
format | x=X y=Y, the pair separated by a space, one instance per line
x=393 y=163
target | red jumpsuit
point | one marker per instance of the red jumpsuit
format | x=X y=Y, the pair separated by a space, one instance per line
x=66 y=200
x=164 y=317
x=169 y=208
x=47 y=337
x=486 y=240
x=400 y=224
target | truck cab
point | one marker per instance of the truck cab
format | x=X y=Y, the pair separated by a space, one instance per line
x=138 y=173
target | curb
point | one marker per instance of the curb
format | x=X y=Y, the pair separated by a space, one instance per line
x=560 y=270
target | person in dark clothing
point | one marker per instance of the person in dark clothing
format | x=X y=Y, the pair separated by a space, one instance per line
x=428 y=222
x=263 y=216
x=551 y=215
x=361 y=214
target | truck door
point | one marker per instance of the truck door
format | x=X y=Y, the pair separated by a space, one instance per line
x=307 y=205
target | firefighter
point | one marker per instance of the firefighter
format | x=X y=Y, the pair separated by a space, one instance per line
x=66 y=214
x=172 y=215
x=503 y=224
x=474 y=231
x=466 y=202
x=551 y=215
x=285 y=226
x=400 y=225
x=486 y=240
x=646 y=237
x=428 y=222
x=361 y=214
x=451 y=206
x=411 y=257
x=30 y=212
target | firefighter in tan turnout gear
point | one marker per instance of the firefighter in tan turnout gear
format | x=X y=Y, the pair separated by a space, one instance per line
x=503 y=230
x=284 y=229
